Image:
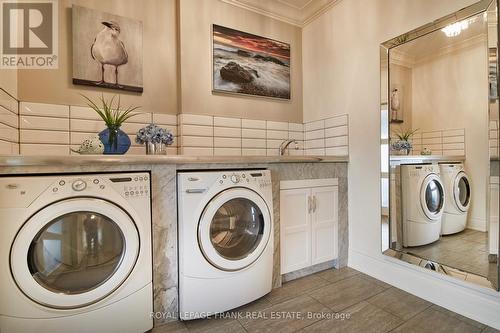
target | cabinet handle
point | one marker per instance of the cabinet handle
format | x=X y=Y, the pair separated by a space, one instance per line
x=314 y=204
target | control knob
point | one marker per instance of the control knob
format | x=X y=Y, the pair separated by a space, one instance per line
x=235 y=178
x=79 y=185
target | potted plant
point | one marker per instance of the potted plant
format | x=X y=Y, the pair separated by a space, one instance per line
x=155 y=138
x=403 y=144
x=114 y=139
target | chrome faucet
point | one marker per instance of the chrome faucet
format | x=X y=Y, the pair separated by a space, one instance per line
x=284 y=145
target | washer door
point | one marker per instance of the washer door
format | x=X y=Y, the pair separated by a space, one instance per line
x=234 y=229
x=74 y=253
x=461 y=191
x=432 y=197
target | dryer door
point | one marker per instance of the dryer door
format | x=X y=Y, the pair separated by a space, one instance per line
x=432 y=197
x=234 y=229
x=461 y=191
x=74 y=253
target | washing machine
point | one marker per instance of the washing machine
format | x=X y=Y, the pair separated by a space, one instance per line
x=423 y=201
x=75 y=253
x=226 y=247
x=457 y=189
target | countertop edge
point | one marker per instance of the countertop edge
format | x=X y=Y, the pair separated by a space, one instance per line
x=75 y=160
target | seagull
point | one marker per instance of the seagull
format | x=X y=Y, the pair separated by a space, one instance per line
x=108 y=49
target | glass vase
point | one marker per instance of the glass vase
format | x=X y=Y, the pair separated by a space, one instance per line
x=116 y=141
x=156 y=148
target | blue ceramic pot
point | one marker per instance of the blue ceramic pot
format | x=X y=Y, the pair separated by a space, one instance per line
x=116 y=141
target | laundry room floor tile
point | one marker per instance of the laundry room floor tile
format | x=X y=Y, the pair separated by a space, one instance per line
x=334 y=275
x=399 y=303
x=345 y=293
x=289 y=316
x=459 y=317
x=342 y=300
x=172 y=327
x=432 y=320
x=295 y=288
x=363 y=317
x=213 y=324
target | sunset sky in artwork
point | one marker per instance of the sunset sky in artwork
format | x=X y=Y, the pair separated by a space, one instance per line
x=249 y=42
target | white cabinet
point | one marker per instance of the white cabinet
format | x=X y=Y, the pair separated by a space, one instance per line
x=308 y=223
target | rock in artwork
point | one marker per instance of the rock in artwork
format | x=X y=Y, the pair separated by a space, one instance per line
x=107 y=50
x=248 y=64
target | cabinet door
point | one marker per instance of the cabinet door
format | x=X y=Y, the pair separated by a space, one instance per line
x=295 y=230
x=324 y=224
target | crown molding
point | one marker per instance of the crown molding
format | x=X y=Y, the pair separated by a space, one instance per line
x=320 y=12
x=407 y=60
x=296 y=7
x=299 y=19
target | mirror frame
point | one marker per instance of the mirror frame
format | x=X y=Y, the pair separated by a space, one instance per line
x=473 y=10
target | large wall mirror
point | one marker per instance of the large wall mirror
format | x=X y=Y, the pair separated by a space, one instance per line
x=440 y=145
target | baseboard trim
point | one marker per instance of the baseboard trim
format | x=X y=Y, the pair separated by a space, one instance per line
x=475 y=302
x=308 y=271
x=477 y=224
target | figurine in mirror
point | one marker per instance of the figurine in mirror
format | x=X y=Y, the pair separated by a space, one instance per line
x=440 y=138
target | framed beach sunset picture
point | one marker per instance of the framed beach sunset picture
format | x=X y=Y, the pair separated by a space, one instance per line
x=248 y=64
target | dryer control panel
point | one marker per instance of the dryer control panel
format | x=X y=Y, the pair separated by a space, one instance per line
x=22 y=191
x=129 y=185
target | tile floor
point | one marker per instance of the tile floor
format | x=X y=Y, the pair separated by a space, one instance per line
x=467 y=251
x=342 y=300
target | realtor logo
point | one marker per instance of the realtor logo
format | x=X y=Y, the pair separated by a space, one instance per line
x=29 y=34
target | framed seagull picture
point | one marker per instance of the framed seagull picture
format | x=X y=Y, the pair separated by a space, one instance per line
x=107 y=50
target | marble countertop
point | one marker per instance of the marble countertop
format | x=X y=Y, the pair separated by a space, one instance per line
x=412 y=159
x=15 y=160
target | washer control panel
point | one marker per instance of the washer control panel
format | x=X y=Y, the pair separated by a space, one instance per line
x=259 y=178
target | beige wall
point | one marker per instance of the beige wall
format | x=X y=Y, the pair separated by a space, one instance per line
x=174 y=77
x=452 y=92
x=8 y=81
x=402 y=76
x=160 y=59
x=196 y=19
x=341 y=75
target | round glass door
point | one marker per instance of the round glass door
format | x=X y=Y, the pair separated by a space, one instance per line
x=234 y=229
x=462 y=191
x=432 y=197
x=237 y=228
x=74 y=253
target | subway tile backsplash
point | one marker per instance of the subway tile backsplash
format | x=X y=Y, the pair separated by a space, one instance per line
x=44 y=129
x=9 y=125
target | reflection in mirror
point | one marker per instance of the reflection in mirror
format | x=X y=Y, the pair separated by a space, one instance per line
x=439 y=131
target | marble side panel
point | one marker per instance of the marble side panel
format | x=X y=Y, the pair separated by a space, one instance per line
x=164 y=215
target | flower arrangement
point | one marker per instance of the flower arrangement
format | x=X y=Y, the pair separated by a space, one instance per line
x=403 y=143
x=115 y=140
x=155 y=138
x=155 y=134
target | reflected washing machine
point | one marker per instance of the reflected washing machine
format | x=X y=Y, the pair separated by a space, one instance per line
x=458 y=193
x=423 y=200
x=225 y=240
x=75 y=253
